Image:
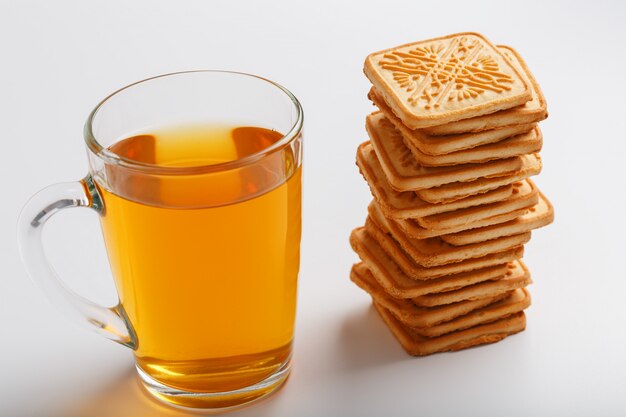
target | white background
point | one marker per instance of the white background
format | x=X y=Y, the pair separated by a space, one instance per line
x=59 y=58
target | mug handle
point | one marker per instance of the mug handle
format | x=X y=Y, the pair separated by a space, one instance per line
x=112 y=323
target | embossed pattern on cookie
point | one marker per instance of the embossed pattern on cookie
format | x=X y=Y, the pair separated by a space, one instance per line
x=441 y=80
x=532 y=111
x=458 y=69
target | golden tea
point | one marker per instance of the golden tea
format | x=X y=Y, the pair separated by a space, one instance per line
x=205 y=265
x=199 y=198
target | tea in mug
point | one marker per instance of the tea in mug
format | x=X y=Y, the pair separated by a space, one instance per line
x=205 y=265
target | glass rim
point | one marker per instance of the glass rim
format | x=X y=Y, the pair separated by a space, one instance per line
x=112 y=158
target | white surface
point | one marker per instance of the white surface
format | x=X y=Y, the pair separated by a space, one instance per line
x=59 y=58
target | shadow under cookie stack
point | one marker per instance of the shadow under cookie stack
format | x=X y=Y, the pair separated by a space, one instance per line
x=448 y=162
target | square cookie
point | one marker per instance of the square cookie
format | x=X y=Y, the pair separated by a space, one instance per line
x=442 y=80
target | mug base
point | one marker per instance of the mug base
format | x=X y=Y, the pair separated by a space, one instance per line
x=217 y=401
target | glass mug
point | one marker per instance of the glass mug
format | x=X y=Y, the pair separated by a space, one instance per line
x=196 y=177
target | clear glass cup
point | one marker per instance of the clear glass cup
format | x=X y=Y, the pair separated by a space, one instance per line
x=204 y=253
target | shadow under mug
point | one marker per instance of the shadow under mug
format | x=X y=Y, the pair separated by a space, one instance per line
x=205 y=258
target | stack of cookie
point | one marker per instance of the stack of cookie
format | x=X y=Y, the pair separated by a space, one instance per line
x=451 y=150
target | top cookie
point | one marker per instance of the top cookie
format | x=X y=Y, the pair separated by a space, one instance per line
x=441 y=80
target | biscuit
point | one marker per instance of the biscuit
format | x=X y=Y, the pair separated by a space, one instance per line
x=397 y=284
x=525 y=196
x=532 y=111
x=531 y=165
x=394 y=251
x=410 y=314
x=403 y=205
x=416 y=345
x=436 y=321
x=511 y=303
x=434 y=251
x=414 y=230
x=427 y=144
x=541 y=214
x=405 y=174
x=521 y=144
x=441 y=80
x=516 y=277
